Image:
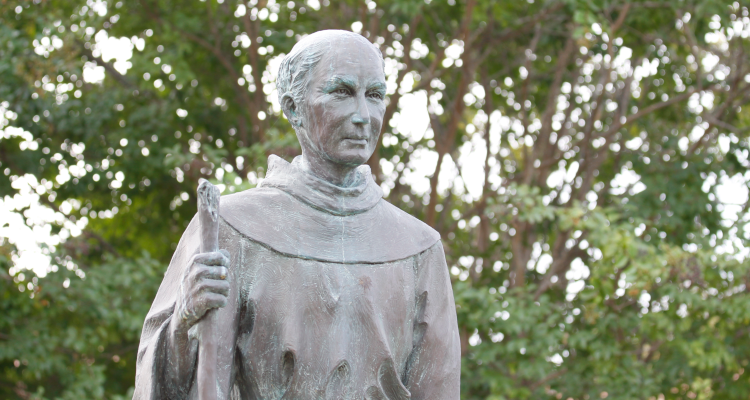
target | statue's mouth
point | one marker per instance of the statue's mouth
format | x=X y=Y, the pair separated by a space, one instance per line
x=360 y=141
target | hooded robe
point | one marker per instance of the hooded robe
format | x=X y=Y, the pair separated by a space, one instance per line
x=336 y=294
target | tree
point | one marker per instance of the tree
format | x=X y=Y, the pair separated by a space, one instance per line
x=570 y=153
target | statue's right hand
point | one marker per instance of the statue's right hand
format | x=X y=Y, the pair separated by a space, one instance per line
x=204 y=286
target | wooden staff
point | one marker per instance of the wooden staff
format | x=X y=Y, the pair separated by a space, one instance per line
x=208 y=216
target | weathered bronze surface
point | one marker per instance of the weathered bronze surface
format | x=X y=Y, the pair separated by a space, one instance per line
x=322 y=289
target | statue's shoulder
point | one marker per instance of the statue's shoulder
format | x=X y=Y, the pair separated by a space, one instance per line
x=252 y=211
x=252 y=198
x=397 y=218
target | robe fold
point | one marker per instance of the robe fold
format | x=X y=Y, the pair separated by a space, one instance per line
x=335 y=294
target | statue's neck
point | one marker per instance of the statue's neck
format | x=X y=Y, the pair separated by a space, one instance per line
x=336 y=174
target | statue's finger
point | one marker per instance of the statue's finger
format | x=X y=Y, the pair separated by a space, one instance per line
x=213 y=300
x=214 y=286
x=212 y=258
x=209 y=272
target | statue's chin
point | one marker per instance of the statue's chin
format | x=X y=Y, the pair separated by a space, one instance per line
x=352 y=157
x=349 y=154
x=352 y=162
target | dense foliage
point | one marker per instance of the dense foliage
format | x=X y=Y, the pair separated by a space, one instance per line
x=571 y=154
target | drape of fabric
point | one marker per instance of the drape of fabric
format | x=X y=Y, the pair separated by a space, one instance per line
x=336 y=294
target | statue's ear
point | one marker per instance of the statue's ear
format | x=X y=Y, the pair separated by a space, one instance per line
x=289 y=106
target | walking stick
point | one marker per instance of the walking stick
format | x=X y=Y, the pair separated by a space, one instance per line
x=208 y=216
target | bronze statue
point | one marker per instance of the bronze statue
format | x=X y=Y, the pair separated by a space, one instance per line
x=322 y=289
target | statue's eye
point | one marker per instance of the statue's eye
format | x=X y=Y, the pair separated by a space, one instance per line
x=375 y=95
x=341 y=91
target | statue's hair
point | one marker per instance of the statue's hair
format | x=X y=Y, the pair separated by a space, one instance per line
x=294 y=72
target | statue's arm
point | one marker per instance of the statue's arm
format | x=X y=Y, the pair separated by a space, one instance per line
x=434 y=366
x=192 y=285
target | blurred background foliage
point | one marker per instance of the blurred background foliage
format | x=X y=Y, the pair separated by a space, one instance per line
x=571 y=153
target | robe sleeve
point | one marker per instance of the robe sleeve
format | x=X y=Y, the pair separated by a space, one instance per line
x=153 y=380
x=434 y=366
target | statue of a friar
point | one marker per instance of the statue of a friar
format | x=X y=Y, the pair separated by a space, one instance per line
x=321 y=289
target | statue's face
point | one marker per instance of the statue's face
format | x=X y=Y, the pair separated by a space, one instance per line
x=345 y=103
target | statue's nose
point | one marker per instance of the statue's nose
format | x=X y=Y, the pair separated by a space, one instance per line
x=361 y=116
x=360 y=120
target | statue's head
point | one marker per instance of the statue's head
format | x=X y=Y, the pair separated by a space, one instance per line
x=332 y=89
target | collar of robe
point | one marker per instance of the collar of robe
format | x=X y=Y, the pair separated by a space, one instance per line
x=300 y=215
x=361 y=196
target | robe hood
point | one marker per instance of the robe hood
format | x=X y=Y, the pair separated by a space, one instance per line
x=361 y=196
x=299 y=215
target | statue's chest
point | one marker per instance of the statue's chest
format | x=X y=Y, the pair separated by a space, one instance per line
x=324 y=316
x=326 y=291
